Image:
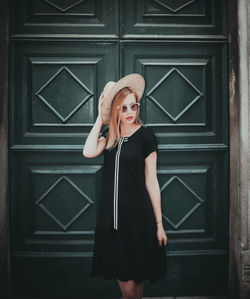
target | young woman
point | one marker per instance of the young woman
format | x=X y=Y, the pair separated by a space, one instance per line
x=130 y=241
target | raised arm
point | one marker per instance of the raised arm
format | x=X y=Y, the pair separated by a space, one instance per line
x=94 y=146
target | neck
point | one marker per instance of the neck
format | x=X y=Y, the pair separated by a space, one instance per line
x=128 y=127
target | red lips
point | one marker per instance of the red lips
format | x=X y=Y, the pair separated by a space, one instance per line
x=130 y=117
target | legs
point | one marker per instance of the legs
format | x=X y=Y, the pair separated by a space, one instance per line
x=139 y=290
x=131 y=290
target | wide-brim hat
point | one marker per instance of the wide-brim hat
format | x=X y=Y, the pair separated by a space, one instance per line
x=133 y=81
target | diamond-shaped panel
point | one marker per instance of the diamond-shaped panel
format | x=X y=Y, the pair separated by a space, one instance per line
x=175 y=5
x=64 y=94
x=181 y=201
x=180 y=94
x=64 y=202
x=63 y=5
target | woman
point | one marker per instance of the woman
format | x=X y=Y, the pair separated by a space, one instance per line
x=130 y=241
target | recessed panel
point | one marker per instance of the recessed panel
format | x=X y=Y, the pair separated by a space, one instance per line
x=177 y=90
x=60 y=197
x=62 y=93
x=174 y=18
x=56 y=201
x=65 y=17
x=56 y=87
x=194 y=198
x=185 y=98
x=185 y=188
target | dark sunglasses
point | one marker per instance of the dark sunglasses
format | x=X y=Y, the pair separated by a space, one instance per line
x=133 y=106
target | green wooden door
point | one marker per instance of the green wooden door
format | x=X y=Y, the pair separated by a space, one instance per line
x=62 y=54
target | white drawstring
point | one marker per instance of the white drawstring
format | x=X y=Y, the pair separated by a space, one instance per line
x=116 y=182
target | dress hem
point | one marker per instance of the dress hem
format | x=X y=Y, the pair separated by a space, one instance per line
x=138 y=281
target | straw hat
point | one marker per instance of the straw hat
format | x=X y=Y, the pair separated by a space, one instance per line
x=134 y=81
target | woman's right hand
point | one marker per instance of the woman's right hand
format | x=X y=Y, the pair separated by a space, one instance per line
x=101 y=99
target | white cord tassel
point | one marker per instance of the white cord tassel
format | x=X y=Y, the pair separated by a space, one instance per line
x=116 y=182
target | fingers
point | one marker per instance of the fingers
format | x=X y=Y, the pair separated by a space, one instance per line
x=162 y=241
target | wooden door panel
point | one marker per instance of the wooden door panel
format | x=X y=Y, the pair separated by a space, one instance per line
x=174 y=18
x=62 y=18
x=56 y=89
x=185 y=98
x=194 y=199
x=57 y=202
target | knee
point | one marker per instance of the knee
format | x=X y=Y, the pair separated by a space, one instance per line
x=128 y=289
x=130 y=295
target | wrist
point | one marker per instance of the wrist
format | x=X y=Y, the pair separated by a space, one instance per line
x=159 y=227
x=159 y=224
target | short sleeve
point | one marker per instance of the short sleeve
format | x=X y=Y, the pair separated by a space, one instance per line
x=150 y=143
x=104 y=133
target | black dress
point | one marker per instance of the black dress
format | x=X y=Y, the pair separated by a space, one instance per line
x=126 y=246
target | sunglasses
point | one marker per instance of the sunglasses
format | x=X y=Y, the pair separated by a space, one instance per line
x=133 y=106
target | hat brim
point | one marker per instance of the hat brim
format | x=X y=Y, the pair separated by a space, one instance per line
x=134 y=81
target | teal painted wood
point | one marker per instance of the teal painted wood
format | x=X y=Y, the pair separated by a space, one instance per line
x=194 y=19
x=62 y=54
x=138 y=19
x=56 y=100
x=186 y=97
x=65 y=18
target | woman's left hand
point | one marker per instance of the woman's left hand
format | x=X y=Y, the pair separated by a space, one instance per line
x=161 y=235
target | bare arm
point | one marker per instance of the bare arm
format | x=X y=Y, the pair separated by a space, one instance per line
x=152 y=185
x=154 y=192
x=94 y=146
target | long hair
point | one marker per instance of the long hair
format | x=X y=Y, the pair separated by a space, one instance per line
x=114 y=132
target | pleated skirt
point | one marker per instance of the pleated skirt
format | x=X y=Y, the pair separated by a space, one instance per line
x=119 y=255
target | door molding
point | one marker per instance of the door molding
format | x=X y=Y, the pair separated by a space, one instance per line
x=4 y=199
x=239 y=230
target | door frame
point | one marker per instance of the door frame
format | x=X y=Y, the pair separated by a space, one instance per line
x=239 y=119
x=239 y=218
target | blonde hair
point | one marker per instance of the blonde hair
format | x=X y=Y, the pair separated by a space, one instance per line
x=113 y=135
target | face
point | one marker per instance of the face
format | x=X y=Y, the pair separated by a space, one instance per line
x=128 y=117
